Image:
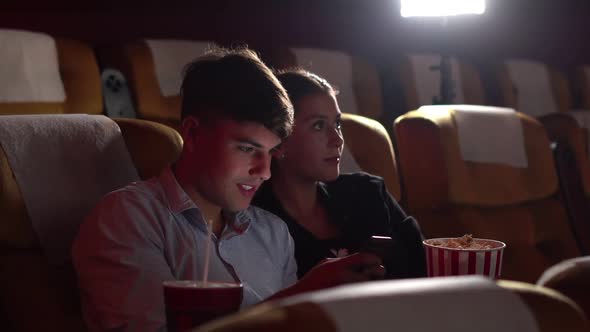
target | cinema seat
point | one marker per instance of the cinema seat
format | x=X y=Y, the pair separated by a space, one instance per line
x=533 y=88
x=488 y=172
x=371 y=150
x=461 y=304
x=154 y=70
x=420 y=80
x=46 y=75
x=571 y=278
x=89 y=156
x=356 y=79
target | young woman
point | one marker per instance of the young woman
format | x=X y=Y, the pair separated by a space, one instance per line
x=329 y=214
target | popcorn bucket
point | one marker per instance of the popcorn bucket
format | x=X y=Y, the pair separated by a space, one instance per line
x=482 y=257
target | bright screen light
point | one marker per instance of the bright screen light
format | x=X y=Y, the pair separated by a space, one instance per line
x=442 y=7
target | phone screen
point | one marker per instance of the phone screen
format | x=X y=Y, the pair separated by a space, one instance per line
x=381 y=246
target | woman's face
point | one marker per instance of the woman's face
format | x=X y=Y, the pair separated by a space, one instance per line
x=313 y=150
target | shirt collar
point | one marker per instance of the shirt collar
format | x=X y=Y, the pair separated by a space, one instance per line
x=178 y=200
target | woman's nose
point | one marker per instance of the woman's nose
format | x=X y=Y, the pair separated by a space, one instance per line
x=336 y=139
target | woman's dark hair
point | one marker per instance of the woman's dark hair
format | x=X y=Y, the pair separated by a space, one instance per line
x=300 y=83
x=238 y=85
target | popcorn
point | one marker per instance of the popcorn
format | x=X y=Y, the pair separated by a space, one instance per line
x=464 y=242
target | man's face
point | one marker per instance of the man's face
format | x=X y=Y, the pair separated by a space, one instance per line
x=231 y=160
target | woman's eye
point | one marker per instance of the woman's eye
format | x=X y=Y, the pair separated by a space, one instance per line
x=319 y=125
x=245 y=148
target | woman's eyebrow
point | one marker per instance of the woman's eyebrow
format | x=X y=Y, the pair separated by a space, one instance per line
x=315 y=116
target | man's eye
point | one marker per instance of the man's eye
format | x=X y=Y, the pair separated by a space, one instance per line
x=246 y=149
x=338 y=124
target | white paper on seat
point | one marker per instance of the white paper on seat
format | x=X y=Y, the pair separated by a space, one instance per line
x=336 y=68
x=171 y=57
x=458 y=304
x=29 y=68
x=583 y=119
x=534 y=93
x=63 y=165
x=428 y=80
x=574 y=264
x=488 y=134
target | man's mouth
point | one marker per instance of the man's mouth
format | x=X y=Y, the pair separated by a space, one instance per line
x=247 y=187
x=247 y=190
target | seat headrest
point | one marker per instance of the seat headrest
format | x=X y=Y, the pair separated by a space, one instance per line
x=532 y=84
x=582 y=117
x=170 y=59
x=575 y=268
x=30 y=68
x=485 y=180
x=371 y=148
x=427 y=304
x=334 y=66
x=62 y=165
x=42 y=75
x=427 y=79
x=154 y=70
x=554 y=311
x=486 y=134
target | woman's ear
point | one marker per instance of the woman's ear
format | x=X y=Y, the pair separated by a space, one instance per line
x=188 y=131
x=279 y=152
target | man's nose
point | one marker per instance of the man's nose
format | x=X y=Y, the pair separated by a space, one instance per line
x=261 y=166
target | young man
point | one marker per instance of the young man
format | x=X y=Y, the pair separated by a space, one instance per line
x=234 y=113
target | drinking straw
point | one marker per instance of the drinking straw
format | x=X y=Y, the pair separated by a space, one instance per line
x=207 y=251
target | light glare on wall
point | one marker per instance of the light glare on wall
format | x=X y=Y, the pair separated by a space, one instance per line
x=441 y=7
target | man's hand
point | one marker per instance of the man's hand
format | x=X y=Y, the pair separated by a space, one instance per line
x=343 y=270
x=337 y=271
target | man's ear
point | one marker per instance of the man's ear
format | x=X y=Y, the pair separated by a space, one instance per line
x=188 y=130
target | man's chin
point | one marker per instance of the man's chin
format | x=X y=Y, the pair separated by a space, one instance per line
x=239 y=206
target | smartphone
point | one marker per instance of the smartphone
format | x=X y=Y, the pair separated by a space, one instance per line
x=381 y=246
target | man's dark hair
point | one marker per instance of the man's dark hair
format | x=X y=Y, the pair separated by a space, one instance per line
x=300 y=83
x=236 y=84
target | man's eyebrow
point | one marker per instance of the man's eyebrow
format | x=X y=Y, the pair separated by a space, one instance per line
x=249 y=141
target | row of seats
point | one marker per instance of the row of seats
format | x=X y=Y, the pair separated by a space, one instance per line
x=447 y=173
x=510 y=191
x=34 y=286
x=459 y=304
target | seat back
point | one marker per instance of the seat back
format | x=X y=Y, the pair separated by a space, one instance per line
x=356 y=79
x=534 y=88
x=45 y=75
x=37 y=292
x=154 y=70
x=427 y=304
x=553 y=311
x=420 y=78
x=486 y=172
x=570 y=131
x=572 y=278
x=371 y=148
x=582 y=86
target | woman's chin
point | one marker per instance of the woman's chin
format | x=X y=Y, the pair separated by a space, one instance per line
x=331 y=176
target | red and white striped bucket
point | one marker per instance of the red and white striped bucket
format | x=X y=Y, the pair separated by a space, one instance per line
x=442 y=261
